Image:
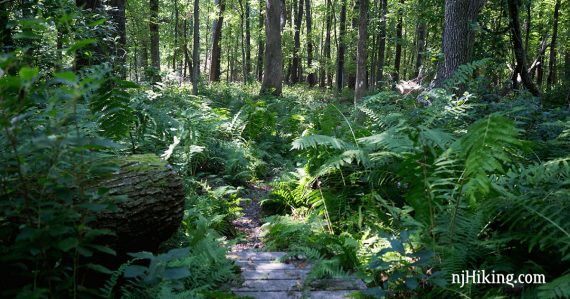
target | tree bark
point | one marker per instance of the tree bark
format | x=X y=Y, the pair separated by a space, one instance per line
x=175 y=50
x=360 y=85
x=382 y=41
x=421 y=41
x=527 y=25
x=327 y=48
x=298 y=11
x=261 y=44
x=117 y=14
x=520 y=54
x=311 y=79
x=154 y=37
x=247 y=41
x=153 y=210
x=458 y=37
x=273 y=72
x=215 y=61
x=196 y=48
x=341 y=48
x=398 y=57
x=551 y=80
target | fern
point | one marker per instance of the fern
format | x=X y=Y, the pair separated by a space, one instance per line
x=111 y=106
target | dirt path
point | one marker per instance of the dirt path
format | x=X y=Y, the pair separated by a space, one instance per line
x=250 y=223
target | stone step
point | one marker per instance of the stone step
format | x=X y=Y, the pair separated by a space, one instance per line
x=275 y=274
x=296 y=295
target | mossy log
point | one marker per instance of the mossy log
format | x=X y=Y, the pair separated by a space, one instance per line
x=154 y=206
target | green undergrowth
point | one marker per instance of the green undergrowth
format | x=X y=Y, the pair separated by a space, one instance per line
x=401 y=191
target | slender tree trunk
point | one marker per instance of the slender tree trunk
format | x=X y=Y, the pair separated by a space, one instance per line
x=154 y=41
x=175 y=49
x=360 y=86
x=298 y=11
x=552 y=60
x=327 y=47
x=247 y=40
x=527 y=25
x=273 y=73
x=421 y=30
x=215 y=62
x=154 y=37
x=261 y=44
x=311 y=76
x=382 y=41
x=144 y=59
x=341 y=48
x=196 y=48
x=208 y=58
x=398 y=57
x=117 y=14
x=458 y=36
x=241 y=36
x=520 y=54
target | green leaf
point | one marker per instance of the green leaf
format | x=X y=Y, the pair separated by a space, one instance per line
x=80 y=45
x=134 y=271
x=67 y=244
x=99 y=268
x=27 y=73
x=176 y=273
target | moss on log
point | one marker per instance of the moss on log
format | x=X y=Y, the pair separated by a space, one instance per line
x=154 y=206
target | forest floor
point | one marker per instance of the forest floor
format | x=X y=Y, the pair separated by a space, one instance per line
x=249 y=224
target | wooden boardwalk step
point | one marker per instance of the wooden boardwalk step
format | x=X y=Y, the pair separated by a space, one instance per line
x=267 y=278
x=275 y=274
x=297 y=295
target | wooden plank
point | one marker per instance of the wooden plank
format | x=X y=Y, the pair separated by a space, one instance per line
x=349 y=283
x=296 y=295
x=247 y=265
x=261 y=285
x=275 y=274
x=256 y=256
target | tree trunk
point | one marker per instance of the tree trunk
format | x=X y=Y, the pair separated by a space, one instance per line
x=327 y=48
x=551 y=80
x=196 y=48
x=154 y=37
x=360 y=86
x=298 y=11
x=398 y=57
x=261 y=44
x=247 y=41
x=341 y=48
x=215 y=61
x=273 y=72
x=527 y=25
x=520 y=54
x=175 y=49
x=382 y=41
x=117 y=14
x=153 y=210
x=458 y=37
x=311 y=79
x=421 y=42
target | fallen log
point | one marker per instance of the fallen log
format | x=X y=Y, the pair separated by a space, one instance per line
x=153 y=208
